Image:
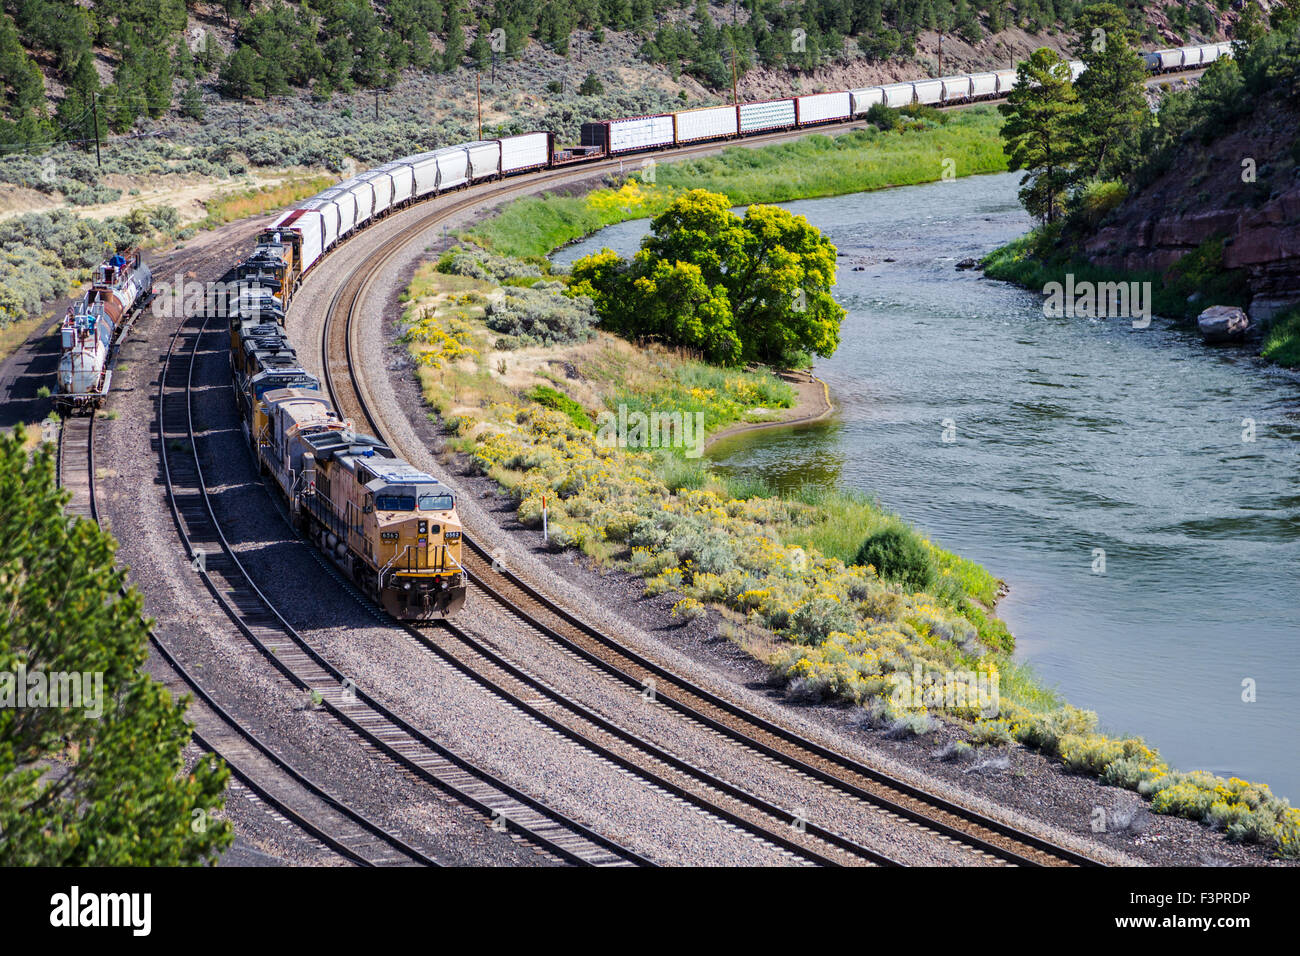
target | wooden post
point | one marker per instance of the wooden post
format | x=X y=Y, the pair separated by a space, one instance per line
x=94 y=110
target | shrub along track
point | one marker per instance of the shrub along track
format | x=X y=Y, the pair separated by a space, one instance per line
x=805 y=757
x=284 y=789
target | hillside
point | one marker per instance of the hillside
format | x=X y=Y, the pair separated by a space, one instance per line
x=1215 y=194
x=1225 y=188
x=149 y=60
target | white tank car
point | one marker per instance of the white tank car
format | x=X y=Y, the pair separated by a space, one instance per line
x=92 y=326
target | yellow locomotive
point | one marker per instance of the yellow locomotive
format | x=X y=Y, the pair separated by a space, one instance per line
x=393 y=529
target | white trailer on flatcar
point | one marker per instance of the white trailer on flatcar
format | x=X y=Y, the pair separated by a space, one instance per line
x=524 y=151
x=640 y=132
x=711 y=122
x=770 y=114
x=823 y=107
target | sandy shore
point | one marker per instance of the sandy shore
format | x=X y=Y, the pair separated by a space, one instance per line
x=813 y=404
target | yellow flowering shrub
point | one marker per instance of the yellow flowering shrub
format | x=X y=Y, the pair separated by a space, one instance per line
x=845 y=634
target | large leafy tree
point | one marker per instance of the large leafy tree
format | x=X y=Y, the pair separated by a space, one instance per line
x=736 y=289
x=75 y=788
x=1041 y=132
x=1110 y=89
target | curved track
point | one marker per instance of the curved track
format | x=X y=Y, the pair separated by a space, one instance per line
x=281 y=787
x=792 y=749
x=294 y=656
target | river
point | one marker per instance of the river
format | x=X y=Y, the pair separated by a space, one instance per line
x=1068 y=435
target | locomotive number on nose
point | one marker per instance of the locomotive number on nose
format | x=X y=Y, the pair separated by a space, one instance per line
x=389 y=535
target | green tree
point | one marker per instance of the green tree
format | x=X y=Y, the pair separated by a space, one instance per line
x=77 y=788
x=752 y=288
x=242 y=76
x=454 y=51
x=1110 y=90
x=1040 y=133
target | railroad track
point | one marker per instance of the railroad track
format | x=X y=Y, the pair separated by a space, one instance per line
x=873 y=787
x=285 y=791
x=306 y=669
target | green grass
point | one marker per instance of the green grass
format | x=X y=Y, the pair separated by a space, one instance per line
x=807 y=168
x=816 y=166
x=1035 y=259
x=551 y=398
x=1283 y=343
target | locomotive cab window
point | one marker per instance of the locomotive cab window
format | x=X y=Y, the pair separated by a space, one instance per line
x=435 y=501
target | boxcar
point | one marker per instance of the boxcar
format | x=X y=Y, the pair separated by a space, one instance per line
x=525 y=151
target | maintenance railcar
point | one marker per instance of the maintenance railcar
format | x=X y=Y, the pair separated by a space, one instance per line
x=93 y=326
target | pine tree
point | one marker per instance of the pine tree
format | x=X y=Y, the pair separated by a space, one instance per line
x=191 y=105
x=120 y=795
x=1110 y=90
x=1042 y=115
x=455 y=48
x=240 y=76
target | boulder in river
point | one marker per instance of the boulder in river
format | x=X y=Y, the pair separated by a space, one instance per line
x=1222 y=323
x=967 y=264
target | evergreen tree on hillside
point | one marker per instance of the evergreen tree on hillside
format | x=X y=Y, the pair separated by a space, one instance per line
x=1110 y=90
x=1040 y=133
x=454 y=51
x=75 y=116
x=22 y=90
x=101 y=782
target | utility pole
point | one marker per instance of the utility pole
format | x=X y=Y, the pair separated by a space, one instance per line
x=478 y=96
x=735 y=100
x=94 y=110
x=941 y=54
x=376 y=106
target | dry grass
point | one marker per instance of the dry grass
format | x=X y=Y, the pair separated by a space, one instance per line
x=240 y=204
x=13 y=335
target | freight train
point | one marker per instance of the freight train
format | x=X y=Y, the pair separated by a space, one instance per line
x=318 y=224
x=392 y=528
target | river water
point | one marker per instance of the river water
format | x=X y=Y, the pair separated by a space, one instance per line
x=1068 y=435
